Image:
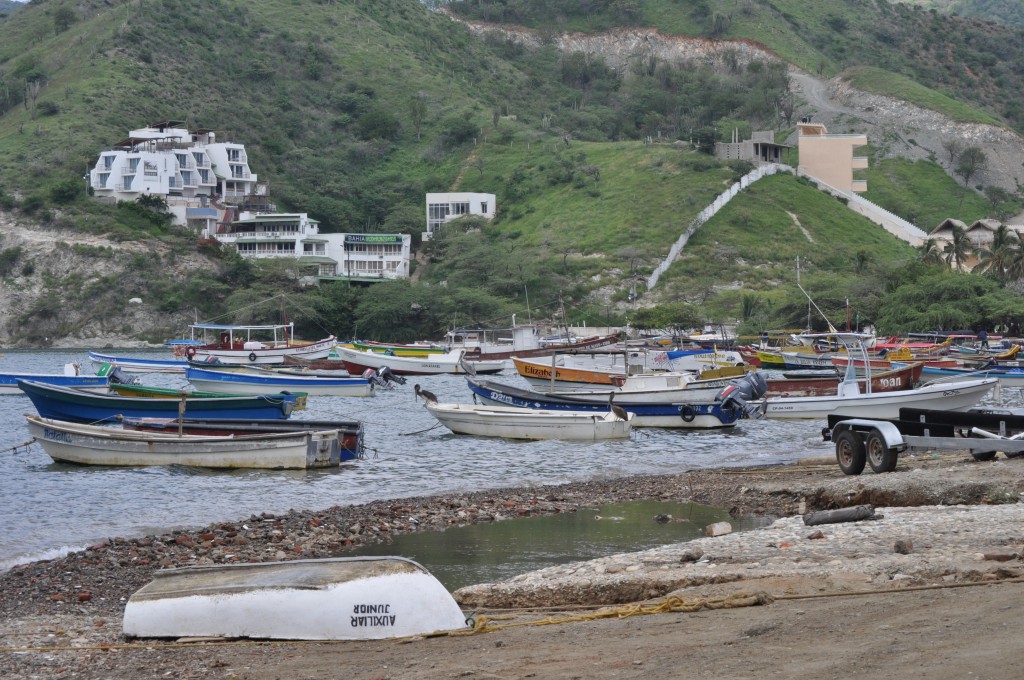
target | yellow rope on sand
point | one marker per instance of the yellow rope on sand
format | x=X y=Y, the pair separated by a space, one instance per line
x=484 y=624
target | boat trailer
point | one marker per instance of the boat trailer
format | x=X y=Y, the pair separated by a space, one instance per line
x=983 y=432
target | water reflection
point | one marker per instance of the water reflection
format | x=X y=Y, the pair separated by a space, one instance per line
x=483 y=553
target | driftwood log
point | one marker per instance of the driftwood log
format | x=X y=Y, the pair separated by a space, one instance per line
x=854 y=514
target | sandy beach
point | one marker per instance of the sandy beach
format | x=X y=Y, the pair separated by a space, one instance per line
x=932 y=588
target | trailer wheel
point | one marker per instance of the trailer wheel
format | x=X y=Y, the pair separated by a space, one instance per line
x=881 y=458
x=983 y=455
x=850 y=453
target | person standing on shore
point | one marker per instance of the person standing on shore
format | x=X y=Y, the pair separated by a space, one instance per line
x=983 y=338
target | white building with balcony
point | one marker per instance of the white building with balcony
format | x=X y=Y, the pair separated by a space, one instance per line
x=444 y=207
x=353 y=257
x=192 y=171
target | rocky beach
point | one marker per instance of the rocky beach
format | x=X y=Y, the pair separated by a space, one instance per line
x=947 y=541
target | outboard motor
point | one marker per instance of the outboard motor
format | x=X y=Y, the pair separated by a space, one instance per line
x=119 y=377
x=740 y=393
x=388 y=375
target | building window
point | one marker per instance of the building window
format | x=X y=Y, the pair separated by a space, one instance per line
x=483 y=208
x=460 y=208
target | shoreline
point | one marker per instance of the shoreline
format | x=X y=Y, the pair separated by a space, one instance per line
x=82 y=595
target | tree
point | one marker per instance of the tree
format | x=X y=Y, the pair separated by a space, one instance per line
x=929 y=252
x=958 y=248
x=953 y=147
x=418 y=111
x=998 y=257
x=63 y=17
x=973 y=162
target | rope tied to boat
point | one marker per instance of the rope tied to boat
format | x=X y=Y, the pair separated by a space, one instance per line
x=671 y=604
x=24 y=445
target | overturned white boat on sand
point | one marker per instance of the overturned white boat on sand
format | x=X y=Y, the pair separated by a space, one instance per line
x=344 y=598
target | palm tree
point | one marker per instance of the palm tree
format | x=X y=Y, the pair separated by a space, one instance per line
x=958 y=248
x=998 y=256
x=930 y=252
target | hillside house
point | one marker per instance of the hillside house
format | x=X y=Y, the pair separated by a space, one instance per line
x=444 y=207
x=193 y=172
x=829 y=158
x=760 y=148
x=980 y=233
x=353 y=257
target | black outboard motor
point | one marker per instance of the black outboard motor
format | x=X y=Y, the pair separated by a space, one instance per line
x=383 y=377
x=388 y=375
x=118 y=377
x=740 y=393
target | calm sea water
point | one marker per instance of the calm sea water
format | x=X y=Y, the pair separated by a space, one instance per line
x=48 y=509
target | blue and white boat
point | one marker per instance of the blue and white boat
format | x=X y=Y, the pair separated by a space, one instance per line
x=1008 y=376
x=87 y=406
x=69 y=378
x=695 y=415
x=140 y=365
x=255 y=381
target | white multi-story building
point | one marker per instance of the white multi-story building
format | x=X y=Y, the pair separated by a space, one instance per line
x=445 y=207
x=356 y=257
x=192 y=171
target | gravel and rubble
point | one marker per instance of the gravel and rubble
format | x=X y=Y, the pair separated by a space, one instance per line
x=946 y=519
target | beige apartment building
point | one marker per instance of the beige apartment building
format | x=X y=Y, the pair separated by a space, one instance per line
x=829 y=157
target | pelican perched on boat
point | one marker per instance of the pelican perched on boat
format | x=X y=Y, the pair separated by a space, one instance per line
x=619 y=412
x=427 y=396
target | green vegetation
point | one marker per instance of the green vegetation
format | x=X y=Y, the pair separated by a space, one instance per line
x=352 y=111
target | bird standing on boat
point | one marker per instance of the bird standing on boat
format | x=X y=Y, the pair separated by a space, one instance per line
x=619 y=412
x=427 y=396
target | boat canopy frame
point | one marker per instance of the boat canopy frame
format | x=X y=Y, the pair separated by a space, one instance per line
x=283 y=334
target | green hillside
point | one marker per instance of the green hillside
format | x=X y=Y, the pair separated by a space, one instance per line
x=352 y=111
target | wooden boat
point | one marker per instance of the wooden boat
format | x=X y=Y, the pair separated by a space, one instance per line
x=902 y=378
x=641 y=388
x=434 y=364
x=341 y=598
x=299 y=399
x=332 y=362
x=790 y=361
x=69 y=378
x=1007 y=376
x=84 y=406
x=420 y=349
x=526 y=423
x=539 y=372
x=351 y=431
x=696 y=360
x=273 y=382
x=953 y=396
x=695 y=415
x=140 y=365
x=269 y=344
x=67 y=442
x=497 y=344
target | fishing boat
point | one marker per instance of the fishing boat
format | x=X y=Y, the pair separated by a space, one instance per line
x=273 y=382
x=795 y=385
x=357 y=362
x=69 y=378
x=416 y=349
x=523 y=340
x=299 y=399
x=139 y=364
x=511 y=422
x=85 y=406
x=538 y=372
x=1008 y=376
x=341 y=598
x=67 y=442
x=686 y=415
x=351 y=431
x=641 y=388
x=857 y=399
x=696 y=360
x=792 y=361
x=267 y=344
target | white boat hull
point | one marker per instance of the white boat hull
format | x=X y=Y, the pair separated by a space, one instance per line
x=352 y=598
x=518 y=423
x=953 y=396
x=94 y=445
x=432 y=364
x=268 y=355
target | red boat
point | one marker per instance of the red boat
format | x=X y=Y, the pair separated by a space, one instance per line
x=904 y=378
